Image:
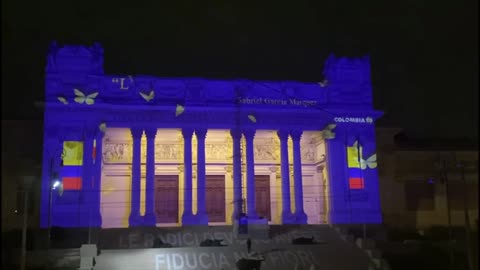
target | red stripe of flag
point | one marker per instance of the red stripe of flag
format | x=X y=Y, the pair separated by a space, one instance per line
x=356 y=183
x=72 y=183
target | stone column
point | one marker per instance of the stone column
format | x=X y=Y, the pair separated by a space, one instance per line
x=300 y=216
x=150 y=218
x=97 y=181
x=249 y=136
x=187 y=217
x=87 y=190
x=336 y=154
x=237 y=174
x=201 y=217
x=287 y=217
x=135 y=219
x=275 y=207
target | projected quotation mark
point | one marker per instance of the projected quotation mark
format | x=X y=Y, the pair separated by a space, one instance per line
x=120 y=81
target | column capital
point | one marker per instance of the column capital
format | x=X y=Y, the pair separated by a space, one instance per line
x=187 y=133
x=136 y=132
x=273 y=169
x=249 y=133
x=282 y=134
x=236 y=134
x=228 y=168
x=201 y=133
x=151 y=132
x=296 y=134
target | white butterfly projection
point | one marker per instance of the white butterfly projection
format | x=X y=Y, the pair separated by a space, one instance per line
x=355 y=158
x=82 y=98
x=323 y=83
x=148 y=97
x=102 y=127
x=252 y=118
x=63 y=100
x=328 y=133
x=179 y=110
x=370 y=162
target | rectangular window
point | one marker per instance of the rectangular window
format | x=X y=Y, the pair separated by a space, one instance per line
x=420 y=195
x=457 y=194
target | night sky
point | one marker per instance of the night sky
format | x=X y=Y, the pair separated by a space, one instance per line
x=424 y=54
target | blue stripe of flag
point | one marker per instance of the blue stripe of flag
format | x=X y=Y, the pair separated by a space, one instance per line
x=355 y=172
x=72 y=171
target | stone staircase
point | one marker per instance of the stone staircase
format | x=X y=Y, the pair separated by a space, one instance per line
x=332 y=251
x=132 y=249
x=368 y=246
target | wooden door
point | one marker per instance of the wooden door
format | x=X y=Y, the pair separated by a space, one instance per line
x=166 y=198
x=262 y=196
x=215 y=197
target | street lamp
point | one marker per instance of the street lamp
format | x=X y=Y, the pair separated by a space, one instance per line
x=27 y=182
x=56 y=184
x=53 y=184
x=468 y=244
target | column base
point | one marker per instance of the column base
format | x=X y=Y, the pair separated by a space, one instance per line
x=188 y=219
x=288 y=218
x=361 y=217
x=149 y=219
x=134 y=220
x=301 y=217
x=96 y=220
x=252 y=215
x=201 y=218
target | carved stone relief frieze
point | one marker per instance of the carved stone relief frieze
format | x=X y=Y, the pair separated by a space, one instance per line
x=117 y=153
x=168 y=152
x=308 y=153
x=218 y=152
x=265 y=152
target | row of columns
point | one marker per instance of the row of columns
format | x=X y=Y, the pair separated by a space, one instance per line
x=201 y=217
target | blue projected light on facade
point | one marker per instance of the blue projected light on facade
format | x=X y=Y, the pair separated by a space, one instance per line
x=83 y=103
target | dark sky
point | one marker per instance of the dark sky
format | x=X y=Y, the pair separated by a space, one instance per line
x=424 y=54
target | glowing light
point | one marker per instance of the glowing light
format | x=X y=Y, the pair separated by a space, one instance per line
x=252 y=118
x=56 y=184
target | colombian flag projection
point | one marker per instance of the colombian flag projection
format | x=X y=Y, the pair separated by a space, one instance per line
x=72 y=165
x=355 y=178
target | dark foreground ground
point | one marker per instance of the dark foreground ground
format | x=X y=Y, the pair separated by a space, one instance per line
x=402 y=248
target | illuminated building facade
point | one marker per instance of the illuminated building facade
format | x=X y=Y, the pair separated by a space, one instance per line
x=147 y=151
